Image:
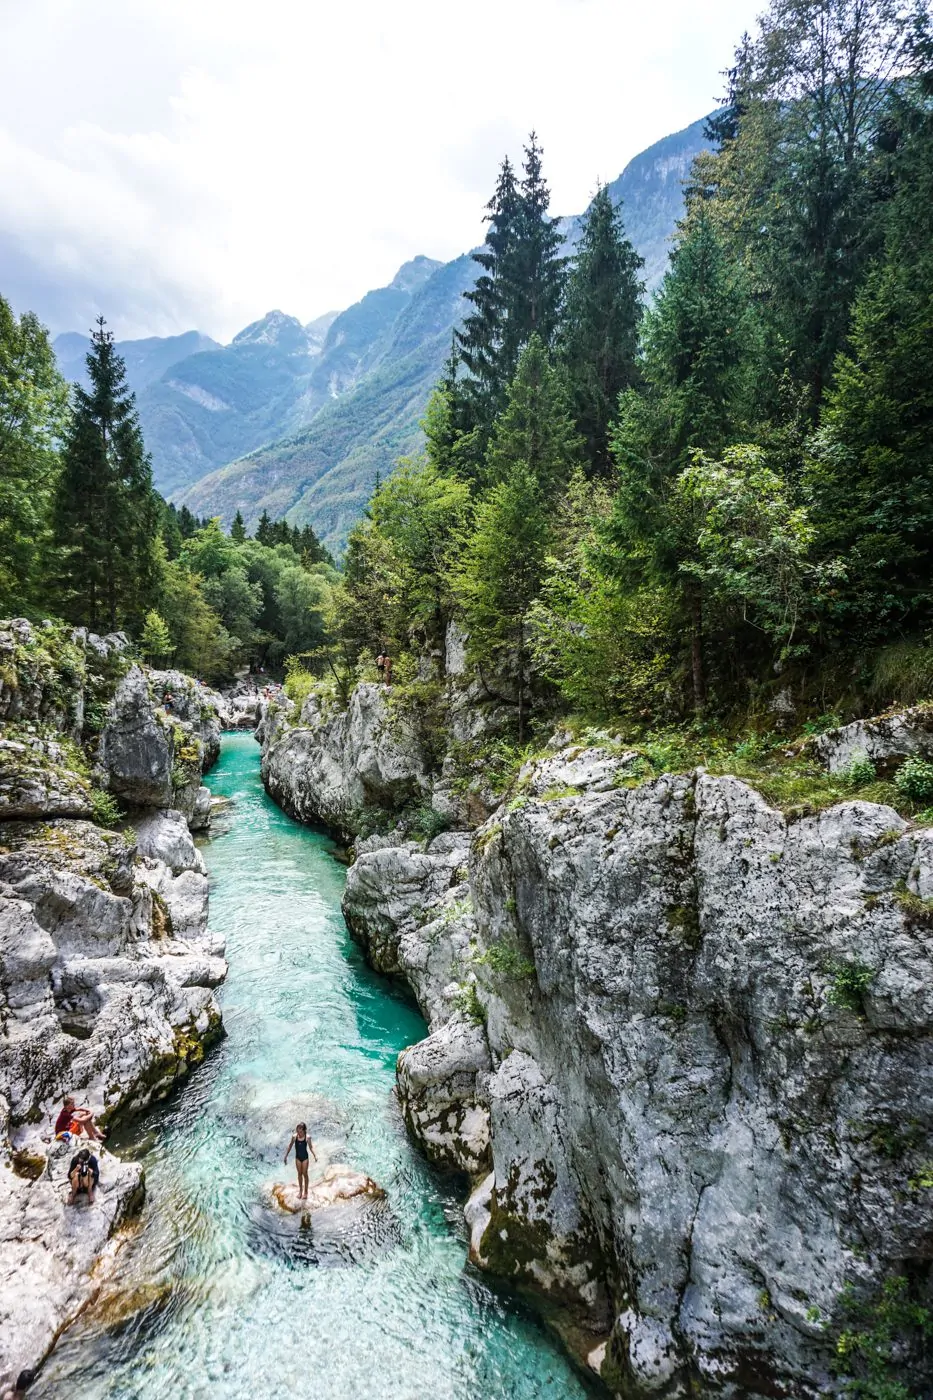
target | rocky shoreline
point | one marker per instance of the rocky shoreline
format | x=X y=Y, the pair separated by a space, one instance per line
x=681 y=1043
x=108 y=969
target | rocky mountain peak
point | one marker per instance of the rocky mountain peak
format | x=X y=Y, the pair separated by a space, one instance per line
x=275 y=328
x=413 y=274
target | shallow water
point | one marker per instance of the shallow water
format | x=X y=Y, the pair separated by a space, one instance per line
x=219 y=1293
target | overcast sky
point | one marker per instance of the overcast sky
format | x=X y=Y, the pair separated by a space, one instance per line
x=185 y=164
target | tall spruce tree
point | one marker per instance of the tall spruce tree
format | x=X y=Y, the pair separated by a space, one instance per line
x=238 y=528
x=535 y=297
x=699 y=366
x=519 y=294
x=106 y=513
x=604 y=310
x=482 y=340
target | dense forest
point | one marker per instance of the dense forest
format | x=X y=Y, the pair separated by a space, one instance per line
x=85 y=537
x=719 y=504
x=704 y=507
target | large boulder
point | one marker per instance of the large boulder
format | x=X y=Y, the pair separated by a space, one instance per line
x=699 y=1035
x=37 y=780
x=160 y=735
x=886 y=740
x=107 y=971
x=336 y=763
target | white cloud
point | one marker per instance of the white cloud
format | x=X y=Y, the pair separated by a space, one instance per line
x=181 y=163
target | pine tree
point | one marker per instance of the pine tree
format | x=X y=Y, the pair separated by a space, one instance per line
x=699 y=364
x=238 y=528
x=536 y=428
x=498 y=576
x=155 y=642
x=536 y=290
x=264 y=530
x=106 y=513
x=482 y=340
x=600 y=341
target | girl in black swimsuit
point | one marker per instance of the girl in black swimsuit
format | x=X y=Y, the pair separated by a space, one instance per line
x=302 y=1145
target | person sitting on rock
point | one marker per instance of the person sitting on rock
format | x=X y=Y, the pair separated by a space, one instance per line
x=84 y=1174
x=301 y=1143
x=76 y=1121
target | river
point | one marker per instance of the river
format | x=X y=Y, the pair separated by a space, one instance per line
x=219 y=1294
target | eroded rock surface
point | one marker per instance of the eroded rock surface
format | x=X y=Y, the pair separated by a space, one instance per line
x=884 y=740
x=107 y=966
x=334 y=764
x=694 y=1043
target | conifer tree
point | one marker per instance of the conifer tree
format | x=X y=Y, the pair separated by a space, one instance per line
x=498 y=576
x=481 y=341
x=535 y=294
x=699 y=367
x=536 y=427
x=106 y=513
x=264 y=530
x=155 y=642
x=238 y=528
x=600 y=341
x=33 y=414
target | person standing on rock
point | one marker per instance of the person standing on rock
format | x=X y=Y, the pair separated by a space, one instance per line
x=302 y=1144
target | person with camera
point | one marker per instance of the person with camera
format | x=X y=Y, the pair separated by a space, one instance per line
x=84 y=1174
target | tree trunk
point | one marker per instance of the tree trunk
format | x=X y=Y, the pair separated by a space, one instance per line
x=696 y=650
x=521 y=684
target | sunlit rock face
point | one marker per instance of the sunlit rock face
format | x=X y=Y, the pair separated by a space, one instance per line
x=107 y=967
x=334 y=764
x=684 y=1047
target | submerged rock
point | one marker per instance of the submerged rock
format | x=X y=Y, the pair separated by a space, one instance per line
x=338 y=1184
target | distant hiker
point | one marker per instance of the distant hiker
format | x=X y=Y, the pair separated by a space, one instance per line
x=302 y=1145
x=76 y=1121
x=384 y=665
x=168 y=702
x=84 y=1174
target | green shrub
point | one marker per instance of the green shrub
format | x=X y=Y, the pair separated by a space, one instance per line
x=914 y=779
x=105 y=808
x=850 y=983
x=861 y=771
x=506 y=961
x=426 y=823
x=469 y=1005
x=822 y=724
x=882 y=1334
x=299 y=682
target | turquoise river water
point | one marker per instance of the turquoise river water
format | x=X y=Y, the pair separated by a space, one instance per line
x=221 y=1294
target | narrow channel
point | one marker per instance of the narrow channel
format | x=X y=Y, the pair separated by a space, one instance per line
x=219 y=1293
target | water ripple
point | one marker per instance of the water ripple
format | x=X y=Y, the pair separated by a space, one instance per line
x=221 y=1294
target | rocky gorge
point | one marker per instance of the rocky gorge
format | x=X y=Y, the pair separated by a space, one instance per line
x=680 y=1039
x=108 y=969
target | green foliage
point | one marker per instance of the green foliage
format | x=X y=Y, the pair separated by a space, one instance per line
x=506 y=961
x=851 y=981
x=105 y=808
x=861 y=771
x=883 y=1333
x=466 y=1001
x=914 y=779
x=602 y=316
x=155 y=640
x=33 y=415
x=105 y=512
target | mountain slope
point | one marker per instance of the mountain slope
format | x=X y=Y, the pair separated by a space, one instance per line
x=324 y=473
x=146 y=360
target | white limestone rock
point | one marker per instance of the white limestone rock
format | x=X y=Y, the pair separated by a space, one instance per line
x=884 y=740
x=335 y=763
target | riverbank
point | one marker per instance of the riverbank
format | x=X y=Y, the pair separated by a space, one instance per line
x=220 y=1290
